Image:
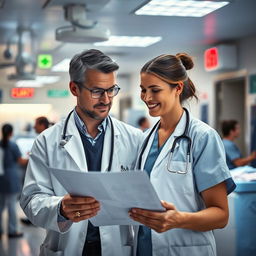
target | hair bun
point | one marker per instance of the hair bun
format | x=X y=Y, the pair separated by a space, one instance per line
x=186 y=60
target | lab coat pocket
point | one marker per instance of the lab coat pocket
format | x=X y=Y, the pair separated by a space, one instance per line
x=127 y=250
x=192 y=250
x=45 y=251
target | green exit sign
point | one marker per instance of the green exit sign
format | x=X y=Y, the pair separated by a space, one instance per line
x=57 y=93
x=44 y=60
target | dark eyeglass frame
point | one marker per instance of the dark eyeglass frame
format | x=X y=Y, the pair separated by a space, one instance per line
x=99 y=92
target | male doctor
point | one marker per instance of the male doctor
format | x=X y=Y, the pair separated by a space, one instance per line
x=89 y=140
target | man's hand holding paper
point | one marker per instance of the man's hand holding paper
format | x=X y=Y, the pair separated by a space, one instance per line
x=77 y=208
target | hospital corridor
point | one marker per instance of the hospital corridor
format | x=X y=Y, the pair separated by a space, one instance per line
x=29 y=244
x=127 y=128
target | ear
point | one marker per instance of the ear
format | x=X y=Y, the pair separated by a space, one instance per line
x=73 y=88
x=179 y=88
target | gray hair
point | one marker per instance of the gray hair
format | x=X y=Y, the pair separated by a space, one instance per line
x=90 y=59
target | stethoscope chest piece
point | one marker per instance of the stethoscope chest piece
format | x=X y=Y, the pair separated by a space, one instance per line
x=65 y=140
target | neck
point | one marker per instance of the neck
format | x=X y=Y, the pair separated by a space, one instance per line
x=91 y=123
x=229 y=137
x=171 y=119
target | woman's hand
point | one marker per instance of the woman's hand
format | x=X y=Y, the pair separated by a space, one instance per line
x=159 y=221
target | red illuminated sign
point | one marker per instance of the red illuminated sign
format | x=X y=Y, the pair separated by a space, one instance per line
x=211 y=58
x=22 y=93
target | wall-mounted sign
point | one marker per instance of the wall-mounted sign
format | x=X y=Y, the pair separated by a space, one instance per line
x=57 y=93
x=221 y=57
x=204 y=113
x=44 y=60
x=253 y=84
x=211 y=58
x=18 y=93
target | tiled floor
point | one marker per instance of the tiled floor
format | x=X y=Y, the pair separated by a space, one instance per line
x=28 y=245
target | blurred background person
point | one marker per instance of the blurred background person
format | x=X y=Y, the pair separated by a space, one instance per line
x=10 y=182
x=143 y=123
x=231 y=131
x=41 y=124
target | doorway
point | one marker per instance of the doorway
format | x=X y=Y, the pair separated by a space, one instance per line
x=230 y=103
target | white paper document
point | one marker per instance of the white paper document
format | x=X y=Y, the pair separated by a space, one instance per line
x=117 y=193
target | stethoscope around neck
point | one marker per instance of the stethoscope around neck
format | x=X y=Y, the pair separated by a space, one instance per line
x=184 y=136
x=64 y=138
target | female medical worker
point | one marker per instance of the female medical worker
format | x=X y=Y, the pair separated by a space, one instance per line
x=194 y=181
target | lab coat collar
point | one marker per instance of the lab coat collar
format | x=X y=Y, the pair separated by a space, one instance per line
x=180 y=128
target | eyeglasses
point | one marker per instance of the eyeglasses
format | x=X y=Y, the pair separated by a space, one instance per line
x=99 y=92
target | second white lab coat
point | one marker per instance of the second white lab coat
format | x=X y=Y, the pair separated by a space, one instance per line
x=42 y=192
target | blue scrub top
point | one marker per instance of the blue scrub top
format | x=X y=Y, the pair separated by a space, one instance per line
x=232 y=153
x=10 y=182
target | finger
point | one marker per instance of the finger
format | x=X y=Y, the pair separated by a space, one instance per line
x=71 y=209
x=144 y=219
x=70 y=204
x=84 y=207
x=146 y=213
x=86 y=210
x=82 y=214
x=75 y=218
x=154 y=224
x=90 y=211
x=80 y=200
x=168 y=206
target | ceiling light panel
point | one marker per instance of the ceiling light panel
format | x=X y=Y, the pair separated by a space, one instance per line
x=40 y=81
x=62 y=66
x=130 y=41
x=185 y=8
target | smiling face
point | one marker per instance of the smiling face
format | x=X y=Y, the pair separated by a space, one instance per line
x=160 y=98
x=89 y=107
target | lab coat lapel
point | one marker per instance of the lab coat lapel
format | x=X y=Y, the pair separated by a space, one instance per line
x=168 y=145
x=74 y=146
x=107 y=148
x=147 y=149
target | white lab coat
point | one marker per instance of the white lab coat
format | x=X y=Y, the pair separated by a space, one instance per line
x=42 y=192
x=207 y=169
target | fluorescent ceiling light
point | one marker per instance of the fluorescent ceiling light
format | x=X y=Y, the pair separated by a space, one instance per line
x=130 y=41
x=40 y=81
x=188 y=8
x=48 y=79
x=118 y=41
x=28 y=83
x=62 y=66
